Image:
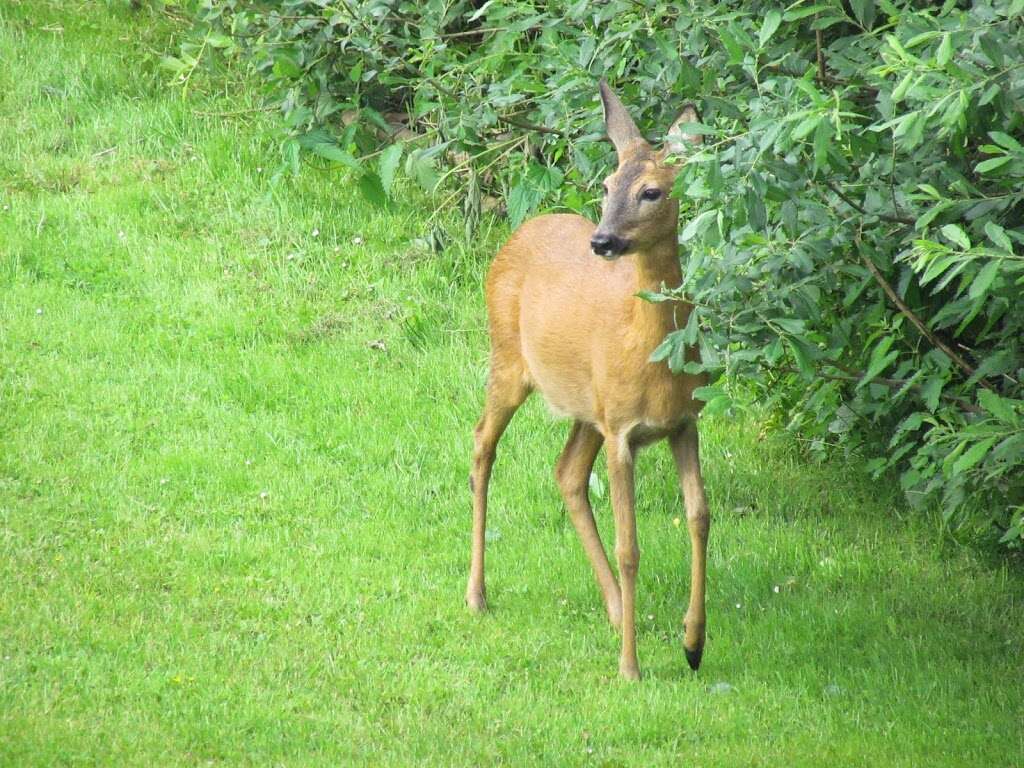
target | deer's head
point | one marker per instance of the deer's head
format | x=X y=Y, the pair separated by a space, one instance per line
x=638 y=209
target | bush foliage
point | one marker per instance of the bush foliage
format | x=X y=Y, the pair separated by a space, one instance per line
x=852 y=230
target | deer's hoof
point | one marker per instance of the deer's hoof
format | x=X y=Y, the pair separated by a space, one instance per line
x=629 y=671
x=476 y=601
x=693 y=657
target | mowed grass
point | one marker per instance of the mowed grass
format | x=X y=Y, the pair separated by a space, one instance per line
x=235 y=422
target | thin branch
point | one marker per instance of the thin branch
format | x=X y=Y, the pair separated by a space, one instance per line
x=822 y=74
x=530 y=126
x=918 y=323
x=233 y=113
x=892 y=383
x=860 y=209
x=471 y=32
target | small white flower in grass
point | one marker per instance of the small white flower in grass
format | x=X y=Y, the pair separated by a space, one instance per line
x=316 y=232
x=39 y=311
x=650 y=617
x=120 y=234
x=738 y=606
x=248 y=462
x=676 y=521
x=259 y=169
x=264 y=495
x=164 y=481
x=775 y=589
x=357 y=240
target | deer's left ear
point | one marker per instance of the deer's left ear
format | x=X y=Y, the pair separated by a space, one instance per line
x=677 y=142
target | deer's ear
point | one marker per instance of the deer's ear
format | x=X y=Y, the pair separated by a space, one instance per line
x=677 y=142
x=620 y=126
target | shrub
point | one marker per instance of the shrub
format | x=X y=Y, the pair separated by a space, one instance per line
x=853 y=230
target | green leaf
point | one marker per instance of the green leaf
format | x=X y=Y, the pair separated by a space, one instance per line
x=320 y=143
x=731 y=46
x=1006 y=141
x=881 y=359
x=518 y=204
x=715 y=399
x=1000 y=407
x=389 y=160
x=957 y=235
x=668 y=346
x=805 y=11
x=697 y=225
x=931 y=391
x=756 y=215
x=805 y=127
x=822 y=139
x=772 y=19
x=372 y=189
x=973 y=455
x=803 y=361
x=998 y=236
x=790 y=325
x=901 y=90
x=945 y=51
x=991 y=164
x=984 y=279
x=419 y=164
x=864 y=10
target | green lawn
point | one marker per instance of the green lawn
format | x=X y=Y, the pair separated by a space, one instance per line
x=235 y=423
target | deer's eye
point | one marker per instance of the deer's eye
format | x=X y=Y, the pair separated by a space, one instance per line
x=650 y=194
x=604 y=188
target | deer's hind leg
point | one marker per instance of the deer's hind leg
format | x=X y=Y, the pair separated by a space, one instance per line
x=506 y=391
x=687 y=455
x=573 y=475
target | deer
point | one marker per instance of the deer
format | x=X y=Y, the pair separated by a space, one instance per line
x=565 y=319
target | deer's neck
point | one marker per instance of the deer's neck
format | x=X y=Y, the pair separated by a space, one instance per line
x=656 y=268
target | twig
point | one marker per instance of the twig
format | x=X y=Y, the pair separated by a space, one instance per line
x=893 y=383
x=471 y=32
x=918 y=323
x=232 y=113
x=822 y=74
x=860 y=209
x=530 y=126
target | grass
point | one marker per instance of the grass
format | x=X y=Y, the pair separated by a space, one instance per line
x=233 y=506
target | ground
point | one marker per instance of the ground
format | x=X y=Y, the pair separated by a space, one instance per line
x=236 y=418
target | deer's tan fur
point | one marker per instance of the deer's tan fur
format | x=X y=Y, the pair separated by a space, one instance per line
x=568 y=323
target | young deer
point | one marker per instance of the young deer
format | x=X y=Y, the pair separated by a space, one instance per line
x=565 y=319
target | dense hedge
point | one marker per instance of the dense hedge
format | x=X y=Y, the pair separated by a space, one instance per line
x=853 y=231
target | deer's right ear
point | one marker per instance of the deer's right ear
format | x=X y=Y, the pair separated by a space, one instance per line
x=677 y=142
x=620 y=126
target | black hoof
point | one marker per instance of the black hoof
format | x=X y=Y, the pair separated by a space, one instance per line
x=693 y=657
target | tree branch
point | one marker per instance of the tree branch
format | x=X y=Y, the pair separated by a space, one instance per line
x=918 y=323
x=530 y=126
x=860 y=209
x=892 y=383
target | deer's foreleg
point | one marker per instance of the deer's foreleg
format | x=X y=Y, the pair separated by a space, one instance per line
x=687 y=455
x=627 y=551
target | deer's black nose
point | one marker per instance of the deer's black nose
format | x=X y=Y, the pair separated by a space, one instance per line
x=607 y=246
